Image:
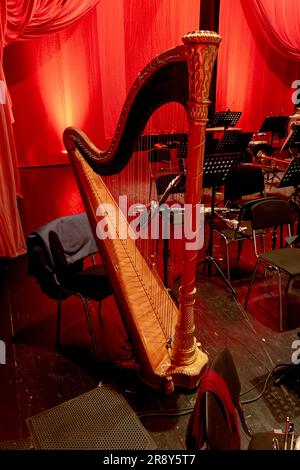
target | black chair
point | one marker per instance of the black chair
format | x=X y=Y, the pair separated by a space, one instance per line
x=210 y=423
x=244 y=180
x=274 y=214
x=160 y=166
x=236 y=230
x=163 y=171
x=56 y=254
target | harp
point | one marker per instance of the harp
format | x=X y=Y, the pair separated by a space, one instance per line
x=161 y=332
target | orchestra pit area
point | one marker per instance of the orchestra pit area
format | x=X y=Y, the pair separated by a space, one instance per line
x=40 y=377
x=149 y=226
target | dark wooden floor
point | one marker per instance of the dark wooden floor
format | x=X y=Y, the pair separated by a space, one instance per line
x=37 y=377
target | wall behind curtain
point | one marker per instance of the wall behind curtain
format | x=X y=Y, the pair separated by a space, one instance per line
x=252 y=76
x=81 y=76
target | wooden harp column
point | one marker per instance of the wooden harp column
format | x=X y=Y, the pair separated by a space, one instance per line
x=201 y=52
x=183 y=75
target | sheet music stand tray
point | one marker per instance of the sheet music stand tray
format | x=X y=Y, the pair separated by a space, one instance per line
x=233 y=142
x=225 y=119
x=217 y=168
x=276 y=125
x=291 y=176
x=293 y=139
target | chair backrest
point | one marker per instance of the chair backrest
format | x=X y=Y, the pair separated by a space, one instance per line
x=269 y=213
x=209 y=422
x=62 y=266
x=246 y=208
x=160 y=154
x=217 y=433
x=76 y=241
x=75 y=234
x=161 y=168
x=244 y=180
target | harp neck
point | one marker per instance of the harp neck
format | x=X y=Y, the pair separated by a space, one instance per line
x=163 y=80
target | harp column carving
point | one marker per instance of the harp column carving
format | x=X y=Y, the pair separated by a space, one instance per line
x=201 y=51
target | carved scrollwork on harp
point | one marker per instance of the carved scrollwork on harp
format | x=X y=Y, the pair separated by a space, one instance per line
x=162 y=335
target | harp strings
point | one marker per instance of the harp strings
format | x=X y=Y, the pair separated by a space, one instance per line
x=134 y=184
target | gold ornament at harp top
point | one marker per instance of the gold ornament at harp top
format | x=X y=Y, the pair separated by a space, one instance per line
x=202 y=36
x=201 y=53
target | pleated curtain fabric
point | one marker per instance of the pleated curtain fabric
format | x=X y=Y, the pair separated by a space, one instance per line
x=23 y=19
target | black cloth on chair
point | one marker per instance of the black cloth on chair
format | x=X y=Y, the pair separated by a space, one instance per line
x=213 y=383
x=90 y=282
x=58 y=264
x=214 y=418
x=75 y=234
x=217 y=409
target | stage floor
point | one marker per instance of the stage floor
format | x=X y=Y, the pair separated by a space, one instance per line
x=36 y=377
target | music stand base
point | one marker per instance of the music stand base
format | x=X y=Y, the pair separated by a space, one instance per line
x=210 y=260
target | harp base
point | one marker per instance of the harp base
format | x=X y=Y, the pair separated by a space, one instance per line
x=171 y=375
x=188 y=376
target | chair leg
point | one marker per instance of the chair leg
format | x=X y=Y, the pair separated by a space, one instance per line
x=288 y=285
x=251 y=284
x=243 y=420
x=57 y=339
x=88 y=318
x=240 y=247
x=227 y=255
x=150 y=190
x=228 y=260
x=263 y=243
x=280 y=300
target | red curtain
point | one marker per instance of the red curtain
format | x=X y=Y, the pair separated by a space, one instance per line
x=11 y=235
x=28 y=19
x=279 y=22
x=253 y=77
x=23 y=19
x=81 y=76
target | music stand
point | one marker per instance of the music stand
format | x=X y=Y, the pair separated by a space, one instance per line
x=276 y=125
x=234 y=142
x=217 y=168
x=293 y=139
x=291 y=176
x=225 y=119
